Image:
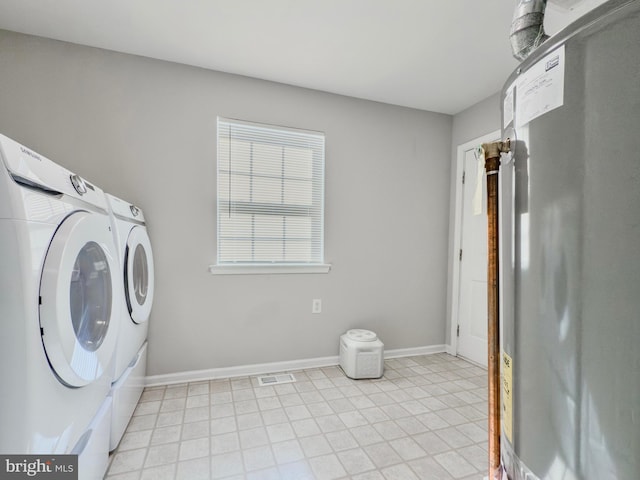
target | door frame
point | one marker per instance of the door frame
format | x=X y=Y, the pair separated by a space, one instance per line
x=73 y=364
x=457 y=234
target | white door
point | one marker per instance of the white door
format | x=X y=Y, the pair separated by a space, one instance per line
x=76 y=299
x=471 y=327
x=472 y=318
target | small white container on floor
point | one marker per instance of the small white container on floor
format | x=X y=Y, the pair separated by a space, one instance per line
x=361 y=354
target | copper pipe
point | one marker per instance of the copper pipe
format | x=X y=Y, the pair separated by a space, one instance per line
x=492 y=166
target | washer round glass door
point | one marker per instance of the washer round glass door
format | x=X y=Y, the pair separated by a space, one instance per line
x=138 y=275
x=76 y=291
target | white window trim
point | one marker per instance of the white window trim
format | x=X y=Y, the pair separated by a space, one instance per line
x=242 y=268
x=268 y=269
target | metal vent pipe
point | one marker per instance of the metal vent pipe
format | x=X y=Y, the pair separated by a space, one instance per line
x=527 y=31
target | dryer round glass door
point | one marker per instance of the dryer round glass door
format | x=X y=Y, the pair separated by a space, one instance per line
x=90 y=296
x=76 y=299
x=138 y=275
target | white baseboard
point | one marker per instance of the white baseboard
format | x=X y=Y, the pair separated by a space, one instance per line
x=410 y=352
x=275 y=367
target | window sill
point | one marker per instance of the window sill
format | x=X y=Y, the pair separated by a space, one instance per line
x=267 y=269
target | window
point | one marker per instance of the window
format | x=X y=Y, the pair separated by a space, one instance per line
x=270 y=198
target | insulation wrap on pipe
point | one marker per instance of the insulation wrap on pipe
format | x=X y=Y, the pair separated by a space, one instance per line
x=527 y=30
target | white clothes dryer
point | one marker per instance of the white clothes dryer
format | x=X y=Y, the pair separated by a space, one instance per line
x=136 y=273
x=57 y=297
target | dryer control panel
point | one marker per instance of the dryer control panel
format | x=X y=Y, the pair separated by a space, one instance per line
x=31 y=169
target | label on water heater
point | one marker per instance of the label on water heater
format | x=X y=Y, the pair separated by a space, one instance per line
x=541 y=88
x=507 y=108
x=507 y=400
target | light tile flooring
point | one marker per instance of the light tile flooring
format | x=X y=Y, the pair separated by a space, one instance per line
x=424 y=420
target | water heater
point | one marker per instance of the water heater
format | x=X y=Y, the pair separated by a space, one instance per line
x=571 y=254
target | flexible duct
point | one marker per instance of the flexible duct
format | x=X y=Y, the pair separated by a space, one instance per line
x=527 y=31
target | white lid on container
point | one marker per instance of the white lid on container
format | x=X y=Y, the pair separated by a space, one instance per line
x=359 y=335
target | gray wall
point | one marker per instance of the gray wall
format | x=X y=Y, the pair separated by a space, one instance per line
x=145 y=130
x=476 y=121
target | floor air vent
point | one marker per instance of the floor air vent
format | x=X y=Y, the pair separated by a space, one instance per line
x=265 y=380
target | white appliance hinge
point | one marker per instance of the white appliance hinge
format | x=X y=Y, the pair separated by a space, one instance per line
x=463 y=175
x=458 y=331
x=460 y=255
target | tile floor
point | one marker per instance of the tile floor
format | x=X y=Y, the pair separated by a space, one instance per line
x=424 y=420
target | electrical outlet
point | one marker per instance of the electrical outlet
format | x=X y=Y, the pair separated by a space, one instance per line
x=316 y=306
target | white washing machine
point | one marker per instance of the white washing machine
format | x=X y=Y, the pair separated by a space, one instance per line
x=137 y=284
x=57 y=327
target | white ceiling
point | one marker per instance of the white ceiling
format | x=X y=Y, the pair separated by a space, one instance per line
x=441 y=56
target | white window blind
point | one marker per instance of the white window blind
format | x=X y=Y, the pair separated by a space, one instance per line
x=270 y=195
